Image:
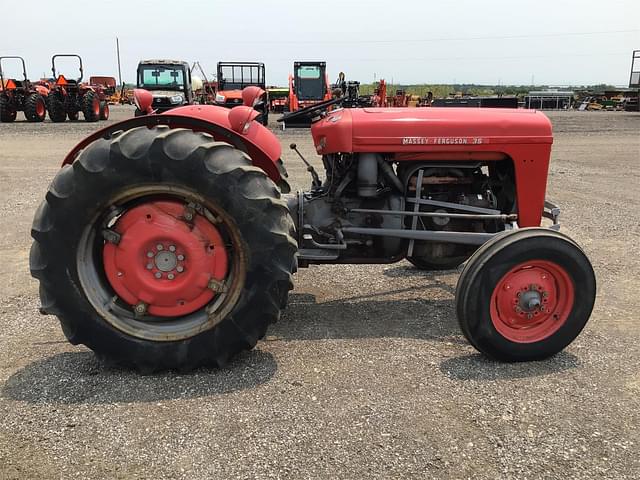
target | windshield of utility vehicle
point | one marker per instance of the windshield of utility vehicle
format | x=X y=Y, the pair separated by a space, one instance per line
x=237 y=77
x=309 y=82
x=161 y=77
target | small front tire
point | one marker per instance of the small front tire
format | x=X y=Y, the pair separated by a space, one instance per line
x=525 y=295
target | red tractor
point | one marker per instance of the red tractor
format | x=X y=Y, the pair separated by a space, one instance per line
x=170 y=241
x=68 y=97
x=21 y=96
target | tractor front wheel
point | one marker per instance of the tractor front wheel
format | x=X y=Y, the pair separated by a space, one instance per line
x=91 y=106
x=163 y=249
x=35 y=108
x=8 y=111
x=525 y=295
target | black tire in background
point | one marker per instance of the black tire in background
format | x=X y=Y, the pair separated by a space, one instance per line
x=104 y=110
x=35 y=108
x=91 y=106
x=73 y=116
x=7 y=113
x=184 y=161
x=495 y=259
x=56 y=108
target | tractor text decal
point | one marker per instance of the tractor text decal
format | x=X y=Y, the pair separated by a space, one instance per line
x=444 y=140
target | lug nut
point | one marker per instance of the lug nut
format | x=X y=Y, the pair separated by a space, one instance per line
x=149 y=266
x=150 y=254
x=180 y=269
x=170 y=276
x=529 y=316
x=172 y=248
x=181 y=257
x=160 y=246
x=140 y=308
x=158 y=275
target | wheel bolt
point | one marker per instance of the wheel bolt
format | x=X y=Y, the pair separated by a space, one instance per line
x=149 y=266
x=170 y=276
x=172 y=248
x=150 y=254
x=160 y=246
x=158 y=275
x=140 y=308
x=529 y=316
x=545 y=294
x=180 y=257
x=180 y=269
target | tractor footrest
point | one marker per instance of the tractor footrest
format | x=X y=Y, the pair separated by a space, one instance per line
x=316 y=254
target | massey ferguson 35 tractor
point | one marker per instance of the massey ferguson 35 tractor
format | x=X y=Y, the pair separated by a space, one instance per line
x=68 y=97
x=21 y=96
x=169 y=241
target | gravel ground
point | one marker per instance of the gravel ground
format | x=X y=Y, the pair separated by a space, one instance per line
x=365 y=376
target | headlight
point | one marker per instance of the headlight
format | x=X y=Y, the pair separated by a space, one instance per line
x=220 y=98
x=176 y=99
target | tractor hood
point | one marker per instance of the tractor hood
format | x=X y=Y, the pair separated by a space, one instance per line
x=435 y=129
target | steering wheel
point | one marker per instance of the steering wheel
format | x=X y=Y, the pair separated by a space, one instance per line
x=308 y=111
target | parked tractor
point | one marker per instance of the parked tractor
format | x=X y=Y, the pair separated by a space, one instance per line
x=21 y=96
x=170 y=241
x=68 y=97
x=234 y=77
x=308 y=86
x=169 y=82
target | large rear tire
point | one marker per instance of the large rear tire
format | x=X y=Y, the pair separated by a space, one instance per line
x=128 y=183
x=35 y=108
x=7 y=112
x=104 y=110
x=91 y=106
x=525 y=295
x=56 y=107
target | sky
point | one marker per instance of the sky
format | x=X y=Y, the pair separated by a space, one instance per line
x=492 y=42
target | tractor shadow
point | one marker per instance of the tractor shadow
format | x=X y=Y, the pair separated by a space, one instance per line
x=80 y=378
x=421 y=316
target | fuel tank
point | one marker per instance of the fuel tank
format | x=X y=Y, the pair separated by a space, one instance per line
x=428 y=129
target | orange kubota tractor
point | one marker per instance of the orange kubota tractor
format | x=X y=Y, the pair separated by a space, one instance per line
x=308 y=86
x=21 y=95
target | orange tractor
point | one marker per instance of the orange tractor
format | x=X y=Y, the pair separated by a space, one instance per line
x=68 y=97
x=21 y=96
x=308 y=86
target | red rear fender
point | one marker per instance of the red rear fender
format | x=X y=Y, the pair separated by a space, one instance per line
x=258 y=142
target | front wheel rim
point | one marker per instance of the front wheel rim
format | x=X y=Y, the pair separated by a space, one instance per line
x=163 y=313
x=532 y=301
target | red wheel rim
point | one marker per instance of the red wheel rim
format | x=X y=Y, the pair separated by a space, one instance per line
x=96 y=107
x=532 y=301
x=164 y=262
x=106 y=112
x=40 y=108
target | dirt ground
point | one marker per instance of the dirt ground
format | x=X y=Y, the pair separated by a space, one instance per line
x=365 y=376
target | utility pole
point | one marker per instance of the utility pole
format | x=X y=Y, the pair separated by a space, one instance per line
x=119 y=70
x=118 y=53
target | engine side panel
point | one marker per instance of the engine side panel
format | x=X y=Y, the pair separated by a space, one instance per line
x=525 y=136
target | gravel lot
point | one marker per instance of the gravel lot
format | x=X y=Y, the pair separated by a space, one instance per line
x=365 y=376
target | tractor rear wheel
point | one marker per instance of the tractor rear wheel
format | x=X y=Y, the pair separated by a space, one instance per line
x=163 y=249
x=35 y=108
x=104 y=110
x=56 y=107
x=91 y=106
x=525 y=295
x=8 y=112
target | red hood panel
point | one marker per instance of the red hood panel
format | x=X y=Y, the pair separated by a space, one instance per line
x=419 y=129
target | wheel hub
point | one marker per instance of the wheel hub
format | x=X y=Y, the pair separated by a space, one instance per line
x=163 y=264
x=532 y=301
